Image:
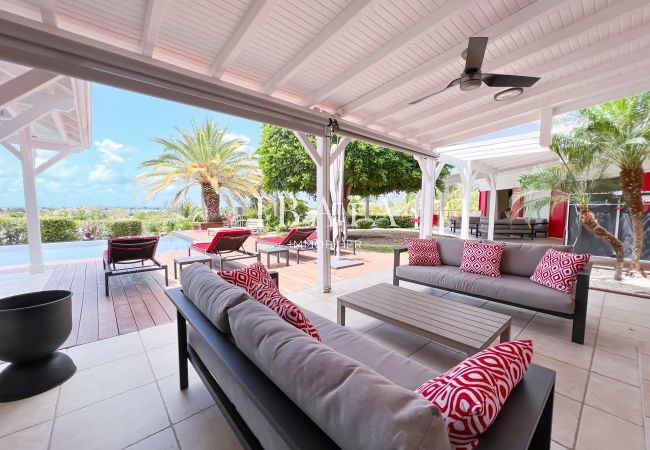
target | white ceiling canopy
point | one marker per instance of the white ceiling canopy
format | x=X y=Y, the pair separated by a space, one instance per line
x=298 y=63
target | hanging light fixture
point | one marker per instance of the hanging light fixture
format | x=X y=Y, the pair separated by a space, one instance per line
x=508 y=94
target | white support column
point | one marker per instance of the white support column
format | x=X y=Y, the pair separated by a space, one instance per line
x=323 y=213
x=441 y=213
x=546 y=127
x=428 y=168
x=492 y=207
x=467 y=179
x=31 y=204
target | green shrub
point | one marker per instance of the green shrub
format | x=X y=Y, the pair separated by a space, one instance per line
x=154 y=226
x=365 y=224
x=282 y=228
x=404 y=221
x=125 y=227
x=382 y=222
x=58 y=229
x=13 y=230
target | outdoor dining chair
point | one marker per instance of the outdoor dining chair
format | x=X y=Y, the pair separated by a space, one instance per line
x=124 y=253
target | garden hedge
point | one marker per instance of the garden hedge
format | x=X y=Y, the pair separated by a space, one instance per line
x=59 y=229
x=365 y=224
x=125 y=227
x=13 y=230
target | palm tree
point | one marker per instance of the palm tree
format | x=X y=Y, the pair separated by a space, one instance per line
x=205 y=157
x=579 y=175
x=622 y=129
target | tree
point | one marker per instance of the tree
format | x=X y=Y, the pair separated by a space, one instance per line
x=203 y=157
x=370 y=170
x=579 y=175
x=622 y=130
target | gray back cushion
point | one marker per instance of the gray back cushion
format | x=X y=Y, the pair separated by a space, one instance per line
x=211 y=294
x=354 y=405
x=450 y=249
x=522 y=259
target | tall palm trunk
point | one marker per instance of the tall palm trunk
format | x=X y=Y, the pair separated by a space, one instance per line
x=212 y=201
x=589 y=220
x=631 y=184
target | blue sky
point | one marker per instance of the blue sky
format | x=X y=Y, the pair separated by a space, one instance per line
x=123 y=124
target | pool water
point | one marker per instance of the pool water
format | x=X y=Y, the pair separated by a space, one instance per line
x=11 y=255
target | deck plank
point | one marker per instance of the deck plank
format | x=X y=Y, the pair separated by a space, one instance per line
x=140 y=313
x=89 y=322
x=106 y=317
x=157 y=312
x=123 y=314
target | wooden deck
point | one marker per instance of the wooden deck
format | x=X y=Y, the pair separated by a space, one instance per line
x=138 y=301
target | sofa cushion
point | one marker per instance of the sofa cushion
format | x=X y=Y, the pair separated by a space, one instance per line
x=522 y=259
x=211 y=294
x=357 y=407
x=450 y=250
x=509 y=288
x=396 y=367
x=482 y=258
x=471 y=394
x=559 y=270
x=287 y=310
x=422 y=252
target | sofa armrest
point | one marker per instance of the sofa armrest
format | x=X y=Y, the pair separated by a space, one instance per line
x=397 y=253
x=580 y=308
x=275 y=276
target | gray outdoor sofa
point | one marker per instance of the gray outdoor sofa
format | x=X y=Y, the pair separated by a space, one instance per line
x=513 y=227
x=514 y=287
x=279 y=388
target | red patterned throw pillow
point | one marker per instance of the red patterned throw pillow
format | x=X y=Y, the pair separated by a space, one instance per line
x=471 y=394
x=559 y=270
x=253 y=279
x=482 y=258
x=422 y=252
x=288 y=311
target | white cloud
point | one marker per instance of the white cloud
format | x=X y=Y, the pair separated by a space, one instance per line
x=101 y=173
x=109 y=151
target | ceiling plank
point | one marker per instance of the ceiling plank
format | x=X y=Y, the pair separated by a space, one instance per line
x=48 y=14
x=602 y=46
x=499 y=29
x=425 y=25
x=25 y=84
x=325 y=37
x=238 y=40
x=153 y=20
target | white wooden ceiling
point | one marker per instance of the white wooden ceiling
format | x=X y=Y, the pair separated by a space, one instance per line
x=365 y=60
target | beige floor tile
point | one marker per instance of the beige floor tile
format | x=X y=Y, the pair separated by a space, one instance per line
x=560 y=348
x=163 y=440
x=399 y=340
x=566 y=414
x=202 y=430
x=164 y=360
x=645 y=388
x=33 y=438
x=520 y=317
x=615 y=397
x=625 y=330
x=570 y=381
x=630 y=317
x=644 y=361
x=472 y=301
x=616 y=366
x=626 y=303
x=158 y=336
x=556 y=446
x=104 y=381
x=602 y=431
x=617 y=344
x=114 y=423
x=183 y=403
x=359 y=321
x=438 y=357
x=25 y=413
x=106 y=350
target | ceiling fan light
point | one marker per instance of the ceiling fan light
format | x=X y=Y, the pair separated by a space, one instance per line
x=508 y=94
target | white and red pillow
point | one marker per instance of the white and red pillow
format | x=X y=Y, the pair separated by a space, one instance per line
x=482 y=258
x=559 y=270
x=471 y=394
x=422 y=252
x=253 y=279
x=287 y=310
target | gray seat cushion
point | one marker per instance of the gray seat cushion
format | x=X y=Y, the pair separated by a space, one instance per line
x=357 y=407
x=522 y=259
x=396 y=367
x=211 y=294
x=450 y=250
x=509 y=288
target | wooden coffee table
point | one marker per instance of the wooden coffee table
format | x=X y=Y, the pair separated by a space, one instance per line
x=448 y=322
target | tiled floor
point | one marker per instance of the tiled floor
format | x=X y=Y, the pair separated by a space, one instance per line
x=125 y=393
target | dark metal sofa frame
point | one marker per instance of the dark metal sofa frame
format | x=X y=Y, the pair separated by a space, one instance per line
x=523 y=423
x=579 y=315
x=133 y=250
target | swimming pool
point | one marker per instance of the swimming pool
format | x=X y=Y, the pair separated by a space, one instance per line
x=12 y=255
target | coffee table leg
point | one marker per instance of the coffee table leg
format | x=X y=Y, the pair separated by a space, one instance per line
x=340 y=313
x=175 y=275
x=287 y=257
x=505 y=336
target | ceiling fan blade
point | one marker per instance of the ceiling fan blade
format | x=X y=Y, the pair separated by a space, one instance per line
x=475 y=53
x=453 y=83
x=500 y=80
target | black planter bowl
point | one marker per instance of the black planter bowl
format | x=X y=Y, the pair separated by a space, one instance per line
x=32 y=327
